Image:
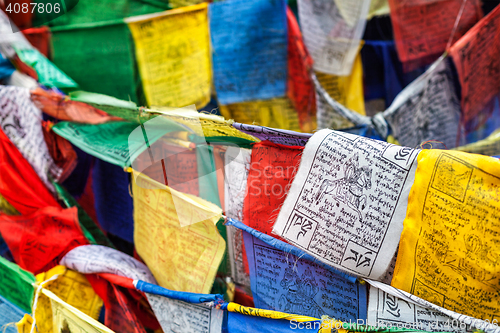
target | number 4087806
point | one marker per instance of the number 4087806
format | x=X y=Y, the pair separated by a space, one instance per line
x=33 y=8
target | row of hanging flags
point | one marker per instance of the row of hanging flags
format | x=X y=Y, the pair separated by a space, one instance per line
x=254 y=58
x=331 y=231
x=320 y=232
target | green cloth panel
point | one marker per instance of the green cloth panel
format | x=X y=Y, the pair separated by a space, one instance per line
x=48 y=74
x=16 y=284
x=110 y=141
x=87 y=11
x=99 y=58
x=89 y=228
x=116 y=107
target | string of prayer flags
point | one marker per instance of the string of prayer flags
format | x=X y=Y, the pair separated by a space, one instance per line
x=347 y=202
x=276 y=113
x=284 y=282
x=427 y=109
x=21 y=122
x=473 y=66
x=300 y=86
x=19 y=183
x=444 y=262
x=17 y=284
x=114 y=142
x=39 y=240
x=275 y=135
x=93 y=259
x=249 y=43
x=72 y=288
x=180 y=258
x=172 y=50
x=332 y=32
x=272 y=170
x=448 y=20
x=61 y=107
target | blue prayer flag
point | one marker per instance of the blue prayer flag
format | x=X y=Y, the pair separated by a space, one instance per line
x=240 y=323
x=284 y=282
x=249 y=43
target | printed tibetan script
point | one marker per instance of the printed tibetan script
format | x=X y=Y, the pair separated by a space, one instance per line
x=347 y=203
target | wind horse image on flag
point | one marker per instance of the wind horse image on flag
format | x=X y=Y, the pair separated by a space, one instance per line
x=250 y=166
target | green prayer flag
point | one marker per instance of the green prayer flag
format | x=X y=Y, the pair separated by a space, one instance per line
x=16 y=284
x=112 y=141
x=48 y=74
x=99 y=58
x=116 y=107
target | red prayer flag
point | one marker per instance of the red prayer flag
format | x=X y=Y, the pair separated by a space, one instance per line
x=272 y=170
x=19 y=183
x=38 y=241
x=422 y=29
x=62 y=108
x=300 y=86
x=127 y=310
x=476 y=57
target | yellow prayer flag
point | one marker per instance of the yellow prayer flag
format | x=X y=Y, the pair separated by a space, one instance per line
x=173 y=56
x=490 y=146
x=449 y=250
x=24 y=325
x=234 y=307
x=71 y=287
x=182 y=3
x=347 y=90
x=180 y=258
x=378 y=8
x=69 y=319
x=275 y=113
x=208 y=125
